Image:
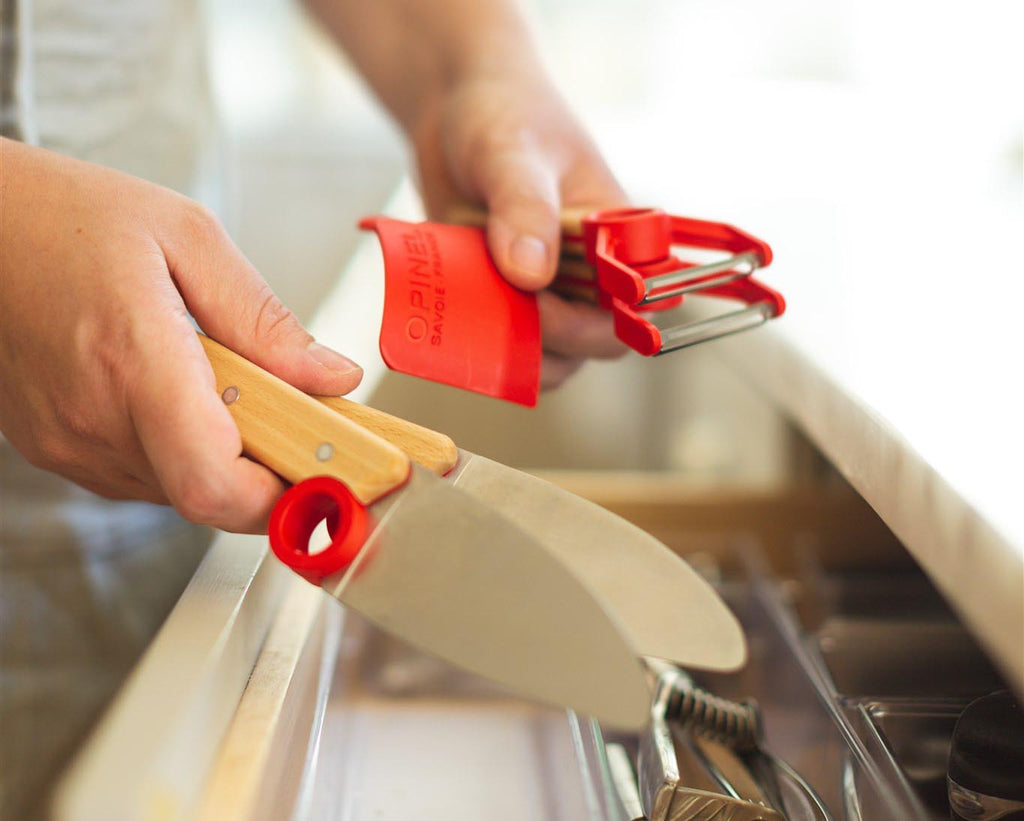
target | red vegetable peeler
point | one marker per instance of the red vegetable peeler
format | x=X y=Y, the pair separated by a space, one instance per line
x=630 y=268
x=450 y=317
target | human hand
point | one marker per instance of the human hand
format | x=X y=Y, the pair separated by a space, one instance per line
x=104 y=379
x=510 y=142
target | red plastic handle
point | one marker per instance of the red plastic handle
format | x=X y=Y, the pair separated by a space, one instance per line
x=626 y=245
x=450 y=316
x=297 y=513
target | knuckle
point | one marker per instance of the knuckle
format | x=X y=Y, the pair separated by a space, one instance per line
x=200 y=224
x=76 y=422
x=273 y=320
x=50 y=451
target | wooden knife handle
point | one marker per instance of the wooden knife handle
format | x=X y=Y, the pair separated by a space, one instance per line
x=298 y=437
x=433 y=450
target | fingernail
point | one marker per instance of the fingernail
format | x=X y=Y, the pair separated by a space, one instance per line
x=330 y=359
x=530 y=255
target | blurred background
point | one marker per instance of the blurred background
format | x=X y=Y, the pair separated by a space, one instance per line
x=850 y=134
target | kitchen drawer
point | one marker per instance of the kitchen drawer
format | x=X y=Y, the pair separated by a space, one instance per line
x=859 y=666
x=337 y=720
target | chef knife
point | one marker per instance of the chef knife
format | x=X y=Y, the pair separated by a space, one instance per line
x=438 y=567
x=666 y=608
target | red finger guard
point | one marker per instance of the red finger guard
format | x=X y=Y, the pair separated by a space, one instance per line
x=449 y=315
x=297 y=513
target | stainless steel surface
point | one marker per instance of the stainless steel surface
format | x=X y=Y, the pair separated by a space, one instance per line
x=981 y=807
x=736 y=724
x=665 y=608
x=798 y=790
x=625 y=784
x=692 y=333
x=665 y=798
x=696 y=805
x=727 y=782
x=693 y=279
x=657 y=768
x=451 y=576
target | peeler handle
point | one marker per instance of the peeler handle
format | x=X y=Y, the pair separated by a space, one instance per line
x=298 y=437
x=623 y=260
x=570 y=219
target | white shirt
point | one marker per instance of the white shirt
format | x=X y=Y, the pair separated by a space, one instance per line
x=118 y=82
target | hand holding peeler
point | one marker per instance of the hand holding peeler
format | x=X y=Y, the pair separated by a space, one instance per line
x=632 y=267
x=449 y=315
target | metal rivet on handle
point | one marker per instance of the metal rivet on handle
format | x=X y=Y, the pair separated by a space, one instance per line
x=229 y=395
x=324 y=451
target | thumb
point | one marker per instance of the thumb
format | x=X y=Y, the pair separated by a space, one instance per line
x=235 y=305
x=521 y=191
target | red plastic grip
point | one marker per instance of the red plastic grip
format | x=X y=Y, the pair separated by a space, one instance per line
x=449 y=315
x=635 y=236
x=297 y=513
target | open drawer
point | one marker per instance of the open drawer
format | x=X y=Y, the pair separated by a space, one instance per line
x=858 y=664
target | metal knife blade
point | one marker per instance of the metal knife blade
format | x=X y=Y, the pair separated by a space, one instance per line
x=667 y=609
x=447 y=573
x=439 y=568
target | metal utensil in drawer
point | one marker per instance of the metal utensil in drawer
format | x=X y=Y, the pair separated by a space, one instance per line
x=663 y=794
x=725 y=738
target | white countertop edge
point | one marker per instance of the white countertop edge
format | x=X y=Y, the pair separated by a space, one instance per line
x=976 y=568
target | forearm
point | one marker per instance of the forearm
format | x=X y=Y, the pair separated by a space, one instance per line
x=412 y=51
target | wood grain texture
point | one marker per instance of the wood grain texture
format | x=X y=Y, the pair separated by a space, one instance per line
x=297 y=437
x=570 y=219
x=576 y=269
x=574 y=291
x=434 y=451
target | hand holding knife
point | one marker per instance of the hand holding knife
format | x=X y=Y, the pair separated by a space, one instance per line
x=493 y=570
